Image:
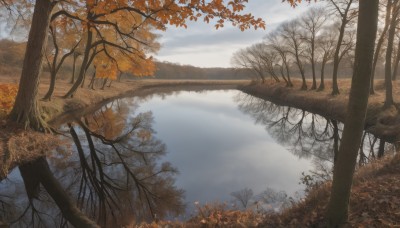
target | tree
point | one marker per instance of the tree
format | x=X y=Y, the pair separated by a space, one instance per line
x=276 y=43
x=389 y=52
x=354 y=125
x=243 y=196
x=312 y=22
x=26 y=110
x=380 y=42
x=327 y=44
x=61 y=48
x=346 y=11
x=290 y=31
x=250 y=58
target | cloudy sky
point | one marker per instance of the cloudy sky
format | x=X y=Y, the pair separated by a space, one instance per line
x=204 y=46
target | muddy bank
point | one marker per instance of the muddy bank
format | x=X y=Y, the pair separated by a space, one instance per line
x=382 y=123
x=74 y=107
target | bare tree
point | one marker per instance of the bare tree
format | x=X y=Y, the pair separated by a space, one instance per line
x=250 y=58
x=291 y=32
x=277 y=43
x=327 y=42
x=337 y=211
x=243 y=196
x=312 y=23
x=381 y=40
x=389 y=52
x=345 y=9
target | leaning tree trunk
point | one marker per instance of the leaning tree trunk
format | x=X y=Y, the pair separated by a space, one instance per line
x=51 y=87
x=301 y=69
x=337 y=212
x=39 y=169
x=82 y=71
x=26 y=110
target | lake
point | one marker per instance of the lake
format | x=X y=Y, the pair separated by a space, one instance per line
x=142 y=157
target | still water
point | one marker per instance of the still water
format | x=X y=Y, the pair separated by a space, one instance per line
x=144 y=157
x=218 y=148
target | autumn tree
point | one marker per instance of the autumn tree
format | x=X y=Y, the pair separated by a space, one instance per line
x=61 y=48
x=160 y=13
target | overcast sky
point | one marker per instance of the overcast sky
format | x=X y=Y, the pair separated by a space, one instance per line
x=204 y=46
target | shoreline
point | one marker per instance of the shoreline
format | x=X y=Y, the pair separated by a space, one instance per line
x=15 y=142
x=384 y=124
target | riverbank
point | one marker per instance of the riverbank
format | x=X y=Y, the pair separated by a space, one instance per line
x=382 y=123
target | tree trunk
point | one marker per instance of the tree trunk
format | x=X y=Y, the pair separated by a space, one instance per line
x=303 y=77
x=82 y=71
x=40 y=169
x=380 y=43
x=73 y=69
x=104 y=83
x=91 y=84
x=381 y=150
x=396 y=63
x=322 y=83
x=335 y=140
x=26 y=110
x=51 y=87
x=337 y=212
x=389 y=51
x=336 y=58
x=314 y=83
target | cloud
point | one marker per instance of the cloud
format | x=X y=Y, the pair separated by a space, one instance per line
x=202 y=45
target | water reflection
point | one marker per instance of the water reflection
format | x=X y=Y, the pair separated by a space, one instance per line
x=113 y=170
x=307 y=135
x=110 y=174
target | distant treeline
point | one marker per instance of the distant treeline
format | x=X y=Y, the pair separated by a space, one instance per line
x=167 y=70
x=12 y=53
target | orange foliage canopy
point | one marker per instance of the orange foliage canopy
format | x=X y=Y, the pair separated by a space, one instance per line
x=123 y=30
x=7 y=98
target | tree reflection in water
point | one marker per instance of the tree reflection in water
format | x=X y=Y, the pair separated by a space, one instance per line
x=307 y=135
x=111 y=174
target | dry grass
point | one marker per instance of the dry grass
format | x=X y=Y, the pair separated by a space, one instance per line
x=18 y=145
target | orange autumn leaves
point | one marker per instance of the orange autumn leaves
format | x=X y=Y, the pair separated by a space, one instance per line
x=7 y=98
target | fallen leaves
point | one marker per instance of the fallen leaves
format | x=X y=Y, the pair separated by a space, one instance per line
x=7 y=98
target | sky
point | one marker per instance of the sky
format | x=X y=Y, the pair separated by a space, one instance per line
x=203 y=46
